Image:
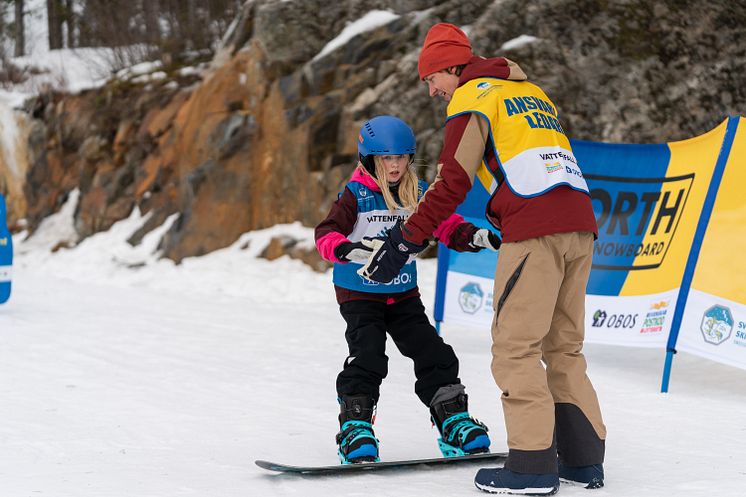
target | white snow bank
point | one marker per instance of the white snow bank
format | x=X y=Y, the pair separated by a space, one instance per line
x=108 y=258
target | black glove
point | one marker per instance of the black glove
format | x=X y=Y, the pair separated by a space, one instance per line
x=389 y=256
x=354 y=251
x=484 y=238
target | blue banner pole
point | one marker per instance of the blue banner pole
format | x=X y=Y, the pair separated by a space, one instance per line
x=444 y=254
x=691 y=263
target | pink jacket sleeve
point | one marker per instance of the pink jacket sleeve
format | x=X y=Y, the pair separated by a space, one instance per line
x=447 y=227
x=340 y=221
x=327 y=243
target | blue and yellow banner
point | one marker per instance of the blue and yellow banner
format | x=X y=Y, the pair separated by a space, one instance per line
x=654 y=204
x=6 y=254
x=713 y=322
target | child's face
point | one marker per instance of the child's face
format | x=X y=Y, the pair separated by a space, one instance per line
x=395 y=165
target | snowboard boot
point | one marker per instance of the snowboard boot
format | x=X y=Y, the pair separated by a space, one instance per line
x=356 y=441
x=586 y=476
x=460 y=433
x=505 y=481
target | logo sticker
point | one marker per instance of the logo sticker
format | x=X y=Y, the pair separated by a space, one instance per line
x=598 y=318
x=655 y=317
x=553 y=167
x=717 y=324
x=637 y=219
x=470 y=298
x=618 y=321
x=483 y=85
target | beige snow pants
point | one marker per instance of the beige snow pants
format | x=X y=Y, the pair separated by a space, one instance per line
x=549 y=403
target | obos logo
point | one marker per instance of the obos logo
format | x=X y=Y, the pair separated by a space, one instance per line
x=400 y=279
x=637 y=219
x=616 y=320
x=470 y=298
x=598 y=318
x=717 y=324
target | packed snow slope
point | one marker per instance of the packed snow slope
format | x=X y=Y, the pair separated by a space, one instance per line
x=123 y=375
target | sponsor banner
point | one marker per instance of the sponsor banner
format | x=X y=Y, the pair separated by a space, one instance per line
x=647 y=200
x=6 y=254
x=713 y=324
x=714 y=328
x=640 y=321
x=643 y=321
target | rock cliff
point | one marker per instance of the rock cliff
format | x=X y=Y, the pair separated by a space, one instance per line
x=266 y=134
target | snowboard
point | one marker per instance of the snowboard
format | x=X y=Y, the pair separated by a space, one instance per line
x=374 y=466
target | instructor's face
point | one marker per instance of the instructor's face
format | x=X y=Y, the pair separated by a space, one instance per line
x=442 y=84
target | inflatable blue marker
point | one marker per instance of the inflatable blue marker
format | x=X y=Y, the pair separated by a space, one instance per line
x=6 y=254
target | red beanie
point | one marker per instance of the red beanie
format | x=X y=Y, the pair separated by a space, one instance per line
x=445 y=46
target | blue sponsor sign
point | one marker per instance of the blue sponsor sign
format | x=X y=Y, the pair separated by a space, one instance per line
x=6 y=254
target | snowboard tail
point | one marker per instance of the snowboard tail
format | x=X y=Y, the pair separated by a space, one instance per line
x=375 y=466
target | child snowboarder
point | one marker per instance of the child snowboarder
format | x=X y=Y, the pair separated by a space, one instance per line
x=384 y=190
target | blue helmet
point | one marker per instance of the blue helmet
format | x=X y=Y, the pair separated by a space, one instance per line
x=384 y=135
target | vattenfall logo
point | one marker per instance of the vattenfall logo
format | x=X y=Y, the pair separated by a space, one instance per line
x=637 y=219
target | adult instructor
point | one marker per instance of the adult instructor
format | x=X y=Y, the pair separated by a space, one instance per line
x=542 y=206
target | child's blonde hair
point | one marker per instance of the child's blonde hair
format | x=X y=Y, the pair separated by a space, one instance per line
x=408 y=186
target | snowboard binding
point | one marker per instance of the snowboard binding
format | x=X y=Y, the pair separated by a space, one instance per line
x=356 y=440
x=461 y=434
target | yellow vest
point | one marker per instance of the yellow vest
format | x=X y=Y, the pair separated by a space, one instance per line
x=525 y=135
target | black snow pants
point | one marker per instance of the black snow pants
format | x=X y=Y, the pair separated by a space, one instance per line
x=435 y=363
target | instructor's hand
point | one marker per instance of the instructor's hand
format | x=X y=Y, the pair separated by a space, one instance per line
x=486 y=239
x=389 y=256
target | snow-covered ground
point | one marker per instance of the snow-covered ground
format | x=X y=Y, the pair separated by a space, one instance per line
x=123 y=375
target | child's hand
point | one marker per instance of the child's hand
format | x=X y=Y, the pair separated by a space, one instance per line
x=358 y=252
x=486 y=239
x=389 y=256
